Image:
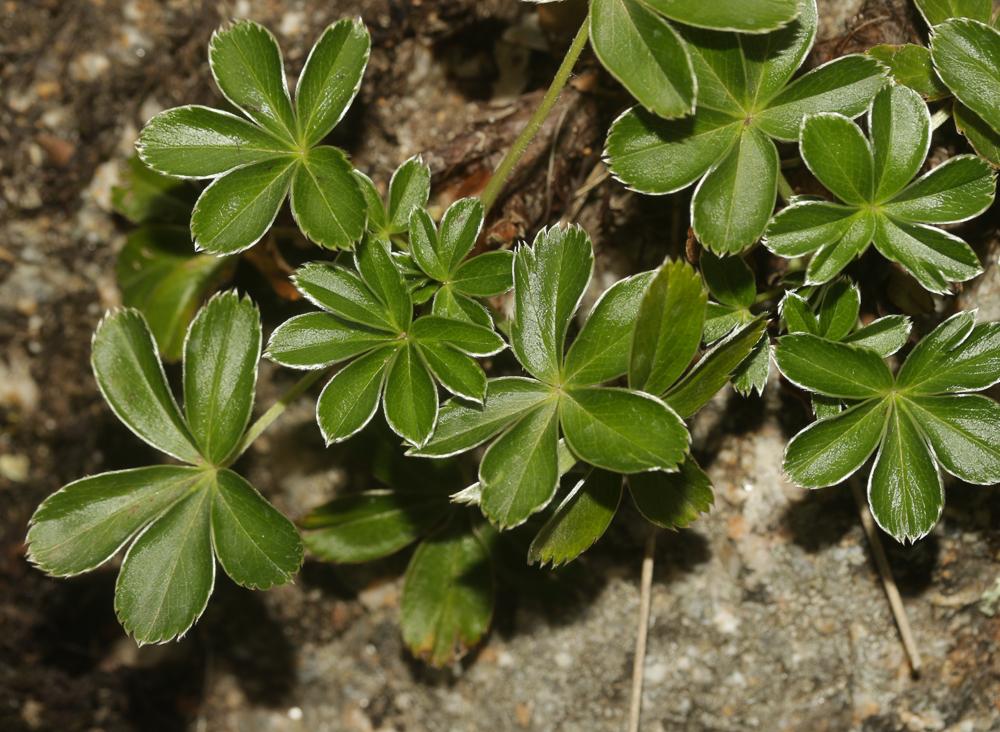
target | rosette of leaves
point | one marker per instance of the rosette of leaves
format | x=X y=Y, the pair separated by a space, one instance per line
x=667 y=326
x=159 y=273
x=918 y=421
x=733 y=285
x=257 y=160
x=745 y=102
x=175 y=520
x=367 y=321
x=878 y=202
x=832 y=312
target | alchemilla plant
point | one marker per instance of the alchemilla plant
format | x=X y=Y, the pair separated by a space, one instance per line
x=518 y=419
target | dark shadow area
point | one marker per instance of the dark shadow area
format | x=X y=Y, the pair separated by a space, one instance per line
x=821 y=518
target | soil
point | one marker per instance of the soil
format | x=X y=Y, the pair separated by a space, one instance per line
x=767 y=615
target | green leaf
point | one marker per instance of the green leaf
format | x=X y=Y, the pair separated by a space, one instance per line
x=131 y=378
x=839 y=155
x=350 y=399
x=451 y=304
x=462 y=426
x=341 y=292
x=411 y=400
x=248 y=69
x=579 y=521
x=220 y=373
x=549 y=280
x=200 y=142
x=319 y=340
x=87 y=522
x=734 y=201
x=424 y=244
x=771 y=59
x=409 y=191
x=257 y=546
x=330 y=79
x=378 y=218
x=620 y=430
x=806 y=226
x=168 y=573
x=934 y=257
x=798 y=316
x=983 y=138
x=645 y=53
x=839 y=307
x=712 y=372
x=751 y=375
x=751 y=16
x=938 y=11
x=236 y=210
x=469 y=338
x=147 y=197
x=900 y=126
x=656 y=156
x=911 y=65
x=824 y=406
x=845 y=85
x=885 y=336
x=828 y=451
x=905 y=491
x=673 y=500
x=458 y=373
x=831 y=259
x=160 y=275
x=487 y=275
x=601 y=350
x=956 y=356
x=363 y=527
x=729 y=279
x=385 y=281
x=957 y=190
x=519 y=472
x=965 y=55
x=720 y=67
x=720 y=320
x=832 y=369
x=964 y=432
x=668 y=328
x=460 y=227
x=448 y=593
x=327 y=200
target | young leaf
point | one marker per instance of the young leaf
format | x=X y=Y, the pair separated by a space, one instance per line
x=326 y=200
x=751 y=375
x=247 y=65
x=160 y=275
x=131 y=378
x=838 y=310
x=411 y=402
x=330 y=79
x=448 y=593
x=579 y=521
x=460 y=228
x=350 y=399
x=169 y=572
x=220 y=373
x=409 y=191
x=549 y=280
x=799 y=318
x=623 y=431
x=645 y=54
x=832 y=369
x=379 y=272
x=519 y=472
x=362 y=527
x=965 y=55
x=668 y=328
x=87 y=522
x=672 y=500
x=257 y=546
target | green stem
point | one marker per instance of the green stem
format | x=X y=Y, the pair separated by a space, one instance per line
x=277 y=409
x=784 y=188
x=520 y=146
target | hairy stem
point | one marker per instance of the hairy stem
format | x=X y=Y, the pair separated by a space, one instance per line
x=277 y=409
x=520 y=146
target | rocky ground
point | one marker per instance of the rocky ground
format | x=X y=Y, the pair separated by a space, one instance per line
x=767 y=615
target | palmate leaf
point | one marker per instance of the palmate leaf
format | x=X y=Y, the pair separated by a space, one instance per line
x=882 y=205
x=257 y=163
x=921 y=423
x=745 y=101
x=965 y=54
x=174 y=520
